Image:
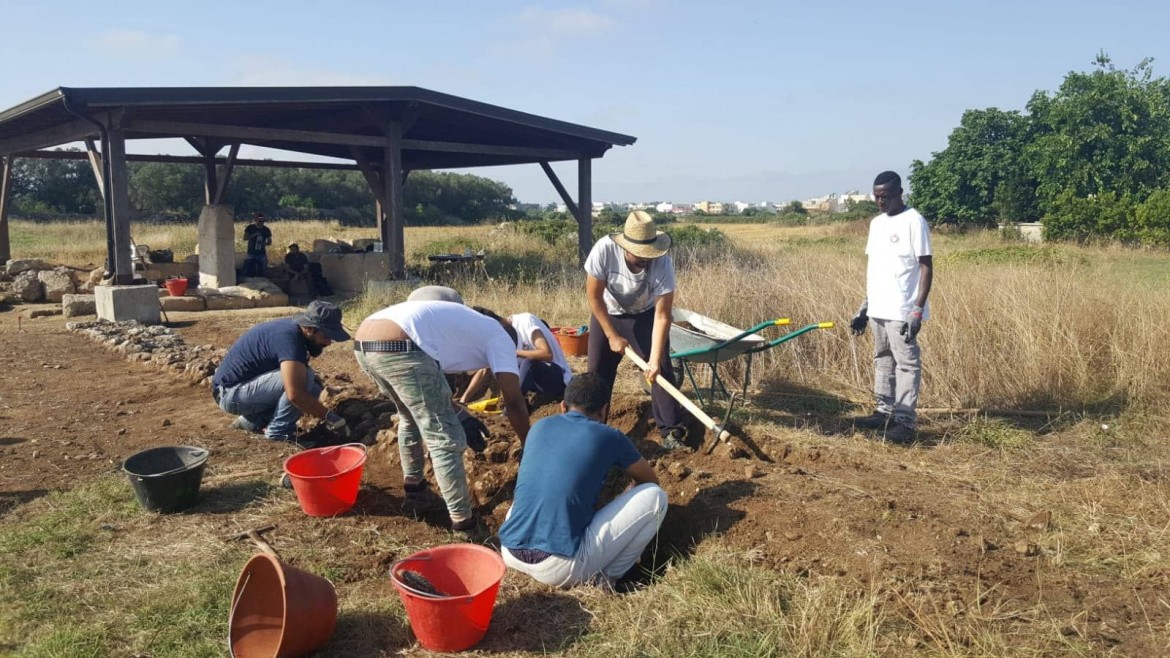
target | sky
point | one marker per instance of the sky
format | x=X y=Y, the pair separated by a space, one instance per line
x=752 y=101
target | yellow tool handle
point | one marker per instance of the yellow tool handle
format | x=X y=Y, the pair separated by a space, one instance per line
x=782 y=321
x=826 y=325
x=682 y=399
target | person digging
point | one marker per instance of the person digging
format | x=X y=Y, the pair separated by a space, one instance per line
x=265 y=378
x=406 y=349
x=552 y=532
x=630 y=288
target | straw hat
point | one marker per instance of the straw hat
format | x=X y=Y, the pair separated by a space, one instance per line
x=640 y=238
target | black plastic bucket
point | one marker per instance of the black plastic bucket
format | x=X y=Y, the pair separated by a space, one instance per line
x=166 y=479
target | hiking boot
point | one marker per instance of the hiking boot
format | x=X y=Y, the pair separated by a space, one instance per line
x=900 y=433
x=675 y=439
x=875 y=421
x=471 y=530
x=243 y=424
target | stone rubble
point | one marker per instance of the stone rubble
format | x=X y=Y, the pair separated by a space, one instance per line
x=153 y=344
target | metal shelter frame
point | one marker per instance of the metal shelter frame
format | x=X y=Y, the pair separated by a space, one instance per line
x=386 y=132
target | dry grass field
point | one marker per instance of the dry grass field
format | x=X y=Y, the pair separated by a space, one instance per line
x=1030 y=519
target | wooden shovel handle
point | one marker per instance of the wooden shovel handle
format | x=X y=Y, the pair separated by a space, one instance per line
x=722 y=434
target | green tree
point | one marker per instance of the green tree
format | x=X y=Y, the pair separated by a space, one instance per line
x=1153 y=219
x=980 y=176
x=1107 y=130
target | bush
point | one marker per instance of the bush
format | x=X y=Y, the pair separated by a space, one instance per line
x=1153 y=219
x=1105 y=215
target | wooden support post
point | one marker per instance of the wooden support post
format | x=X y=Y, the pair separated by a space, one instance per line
x=6 y=165
x=228 y=167
x=95 y=163
x=552 y=177
x=584 y=208
x=115 y=151
x=209 y=181
x=393 y=233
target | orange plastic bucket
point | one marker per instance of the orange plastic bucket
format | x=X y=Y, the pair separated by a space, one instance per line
x=574 y=342
x=327 y=479
x=176 y=287
x=279 y=610
x=469 y=576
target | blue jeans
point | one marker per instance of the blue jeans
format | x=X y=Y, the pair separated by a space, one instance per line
x=262 y=401
x=256 y=265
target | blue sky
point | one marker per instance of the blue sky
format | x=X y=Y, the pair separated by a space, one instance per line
x=729 y=100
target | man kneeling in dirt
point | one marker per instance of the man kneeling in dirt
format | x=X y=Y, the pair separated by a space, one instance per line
x=265 y=376
x=405 y=349
x=552 y=532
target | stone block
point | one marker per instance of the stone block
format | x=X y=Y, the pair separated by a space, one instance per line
x=28 y=286
x=119 y=303
x=185 y=303
x=350 y=273
x=228 y=303
x=57 y=283
x=217 y=255
x=18 y=265
x=75 y=305
x=272 y=299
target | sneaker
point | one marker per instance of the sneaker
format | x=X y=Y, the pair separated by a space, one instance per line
x=900 y=433
x=471 y=530
x=243 y=424
x=675 y=439
x=875 y=421
x=286 y=482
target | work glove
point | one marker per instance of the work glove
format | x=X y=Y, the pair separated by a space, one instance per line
x=912 y=325
x=860 y=321
x=474 y=429
x=335 y=423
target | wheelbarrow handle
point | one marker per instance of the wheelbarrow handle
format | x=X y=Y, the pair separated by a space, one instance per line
x=682 y=399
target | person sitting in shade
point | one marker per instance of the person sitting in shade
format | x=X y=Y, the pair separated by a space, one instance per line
x=296 y=263
x=552 y=532
x=543 y=367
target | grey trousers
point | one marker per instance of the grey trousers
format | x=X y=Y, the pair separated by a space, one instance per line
x=897 y=371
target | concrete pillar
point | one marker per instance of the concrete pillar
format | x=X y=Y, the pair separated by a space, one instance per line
x=217 y=247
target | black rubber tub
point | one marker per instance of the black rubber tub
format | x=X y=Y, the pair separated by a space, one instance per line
x=166 y=479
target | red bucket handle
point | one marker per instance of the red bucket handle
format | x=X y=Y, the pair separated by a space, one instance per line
x=325 y=451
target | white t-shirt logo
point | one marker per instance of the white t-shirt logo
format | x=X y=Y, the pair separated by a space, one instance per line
x=894 y=238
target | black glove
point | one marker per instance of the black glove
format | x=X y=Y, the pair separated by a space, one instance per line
x=476 y=432
x=912 y=325
x=860 y=321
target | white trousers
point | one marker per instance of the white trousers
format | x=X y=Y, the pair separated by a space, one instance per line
x=611 y=544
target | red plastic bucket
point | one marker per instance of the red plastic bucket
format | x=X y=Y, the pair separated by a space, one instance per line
x=469 y=575
x=176 y=287
x=279 y=610
x=327 y=479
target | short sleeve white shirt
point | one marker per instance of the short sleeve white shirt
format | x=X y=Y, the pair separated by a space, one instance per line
x=893 y=277
x=459 y=338
x=527 y=326
x=626 y=292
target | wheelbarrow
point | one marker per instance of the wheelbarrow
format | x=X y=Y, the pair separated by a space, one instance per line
x=710 y=342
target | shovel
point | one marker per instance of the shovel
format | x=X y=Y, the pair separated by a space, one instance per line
x=717 y=429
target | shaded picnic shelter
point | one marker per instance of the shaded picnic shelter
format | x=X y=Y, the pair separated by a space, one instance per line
x=383 y=132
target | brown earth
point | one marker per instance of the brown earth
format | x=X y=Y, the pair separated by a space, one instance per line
x=811 y=504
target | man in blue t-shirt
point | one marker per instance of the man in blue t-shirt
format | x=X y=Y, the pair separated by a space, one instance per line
x=265 y=376
x=552 y=532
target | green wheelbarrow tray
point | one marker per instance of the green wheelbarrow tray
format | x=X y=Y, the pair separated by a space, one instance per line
x=713 y=341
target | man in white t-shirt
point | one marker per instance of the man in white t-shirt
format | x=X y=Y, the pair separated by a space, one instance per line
x=405 y=349
x=630 y=288
x=898 y=280
x=542 y=363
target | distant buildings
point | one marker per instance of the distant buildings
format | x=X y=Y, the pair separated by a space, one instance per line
x=835 y=202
